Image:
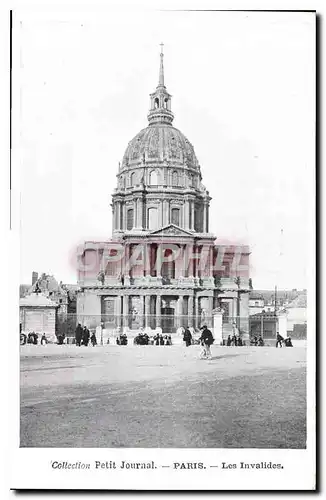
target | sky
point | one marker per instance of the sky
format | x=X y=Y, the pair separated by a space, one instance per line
x=243 y=87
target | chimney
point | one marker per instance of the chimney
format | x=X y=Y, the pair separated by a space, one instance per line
x=34 y=277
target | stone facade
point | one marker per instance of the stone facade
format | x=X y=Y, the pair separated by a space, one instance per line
x=162 y=269
x=38 y=314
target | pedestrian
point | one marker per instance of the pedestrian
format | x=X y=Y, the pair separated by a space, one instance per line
x=288 y=342
x=260 y=341
x=44 y=340
x=228 y=341
x=61 y=337
x=279 y=340
x=86 y=336
x=187 y=337
x=206 y=340
x=78 y=334
x=93 y=339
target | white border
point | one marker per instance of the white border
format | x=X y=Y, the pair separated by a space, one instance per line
x=30 y=468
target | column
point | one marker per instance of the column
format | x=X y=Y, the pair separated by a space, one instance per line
x=140 y=222
x=218 y=327
x=161 y=214
x=135 y=213
x=124 y=216
x=210 y=312
x=180 y=311
x=186 y=215
x=197 y=252
x=126 y=311
x=116 y=213
x=118 y=311
x=192 y=215
x=185 y=260
x=205 y=217
x=147 y=258
x=113 y=217
x=191 y=311
x=158 y=311
x=147 y=310
x=165 y=212
x=196 y=318
x=190 y=261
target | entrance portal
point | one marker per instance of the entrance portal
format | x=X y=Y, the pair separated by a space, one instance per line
x=167 y=320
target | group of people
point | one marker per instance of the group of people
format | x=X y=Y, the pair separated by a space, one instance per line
x=281 y=341
x=32 y=338
x=206 y=339
x=158 y=339
x=257 y=341
x=235 y=340
x=83 y=336
x=122 y=339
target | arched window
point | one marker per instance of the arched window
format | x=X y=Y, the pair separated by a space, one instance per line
x=175 y=178
x=133 y=179
x=152 y=218
x=130 y=219
x=175 y=216
x=166 y=103
x=153 y=178
x=156 y=103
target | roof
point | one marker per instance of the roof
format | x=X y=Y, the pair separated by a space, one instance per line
x=48 y=283
x=255 y=296
x=157 y=142
x=299 y=301
x=36 y=300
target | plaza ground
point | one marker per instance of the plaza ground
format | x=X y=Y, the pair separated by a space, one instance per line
x=151 y=396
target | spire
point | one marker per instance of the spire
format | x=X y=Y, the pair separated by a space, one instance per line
x=160 y=110
x=161 y=77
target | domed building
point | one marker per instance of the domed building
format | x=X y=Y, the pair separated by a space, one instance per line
x=161 y=270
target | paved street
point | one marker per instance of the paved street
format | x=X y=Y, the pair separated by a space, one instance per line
x=149 y=396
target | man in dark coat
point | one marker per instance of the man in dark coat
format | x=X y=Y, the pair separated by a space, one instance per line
x=93 y=339
x=187 y=337
x=86 y=336
x=279 y=340
x=78 y=334
x=206 y=340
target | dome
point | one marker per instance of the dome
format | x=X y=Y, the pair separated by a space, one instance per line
x=160 y=142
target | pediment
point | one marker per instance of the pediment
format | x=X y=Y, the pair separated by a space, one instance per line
x=171 y=230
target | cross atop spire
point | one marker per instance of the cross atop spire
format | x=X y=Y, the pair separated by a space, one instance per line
x=160 y=110
x=161 y=77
